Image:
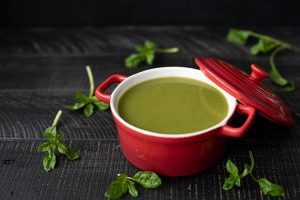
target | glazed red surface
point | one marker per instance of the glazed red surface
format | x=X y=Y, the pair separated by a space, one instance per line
x=246 y=88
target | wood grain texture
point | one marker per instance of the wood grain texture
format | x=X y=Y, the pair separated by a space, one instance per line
x=100 y=161
x=40 y=69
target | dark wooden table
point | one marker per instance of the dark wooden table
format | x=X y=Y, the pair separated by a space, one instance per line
x=41 y=68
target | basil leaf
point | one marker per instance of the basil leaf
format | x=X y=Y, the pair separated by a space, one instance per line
x=123 y=179
x=238 y=36
x=101 y=105
x=46 y=163
x=114 y=191
x=263 y=46
x=77 y=106
x=52 y=161
x=50 y=133
x=60 y=137
x=72 y=154
x=49 y=161
x=55 y=141
x=232 y=168
x=230 y=182
x=150 y=57
x=118 y=187
x=279 y=80
x=62 y=148
x=147 y=179
x=82 y=97
x=269 y=188
x=145 y=54
x=276 y=76
x=88 y=110
x=69 y=152
x=132 y=189
x=149 y=44
x=134 y=60
x=44 y=147
x=246 y=171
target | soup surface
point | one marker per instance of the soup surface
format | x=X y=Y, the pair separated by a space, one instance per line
x=172 y=105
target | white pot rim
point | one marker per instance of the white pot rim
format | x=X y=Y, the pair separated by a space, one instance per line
x=170 y=71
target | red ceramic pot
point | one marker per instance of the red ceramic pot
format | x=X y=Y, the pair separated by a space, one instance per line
x=172 y=154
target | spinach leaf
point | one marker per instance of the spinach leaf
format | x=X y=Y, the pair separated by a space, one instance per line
x=264 y=45
x=88 y=103
x=145 y=54
x=55 y=142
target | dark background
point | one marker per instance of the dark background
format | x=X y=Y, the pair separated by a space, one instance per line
x=72 y=13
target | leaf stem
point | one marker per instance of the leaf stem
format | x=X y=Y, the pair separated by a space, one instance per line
x=58 y=115
x=91 y=79
x=252 y=161
x=255 y=179
x=252 y=166
x=272 y=63
x=262 y=36
x=169 y=50
x=276 y=76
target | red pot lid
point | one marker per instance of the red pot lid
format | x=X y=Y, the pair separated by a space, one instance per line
x=246 y=88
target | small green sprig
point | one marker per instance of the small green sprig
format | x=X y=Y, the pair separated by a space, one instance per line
x=124 y=184
x=88 y=103
x=146 y=54
x=234 y=179
x=265 y=44
x=55 y=142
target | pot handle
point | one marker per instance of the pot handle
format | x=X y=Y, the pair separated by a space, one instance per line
x=240 y=131
x=115 y=78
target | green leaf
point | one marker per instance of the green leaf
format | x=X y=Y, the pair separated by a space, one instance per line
x=150 y=57
x=49 y=161
x=72 y=154
x=101 y=105
x=263 y=46
x=114 y=191
x=46 y=163
x=53 y=161
x=231 y=181
x=232 y=168
x=149 y=44
x=134 y=60
x=246 y=171
x=123 y=179
x=50 y=133
x=60 y=137
x=145 y=54
x=77 y=106
x=238 y=36
x=132 y=190
x=276 y=76
x=82 y=97
x=147 y=179
x=279 y=80
x=44 y=147
x=118 y=187
x=88 y=109
x=62 y=148
x=269 y=188
x=68 y=151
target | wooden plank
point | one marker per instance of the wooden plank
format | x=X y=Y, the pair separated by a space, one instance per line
x=120 y=40
x=22 y=176
x=40 y=70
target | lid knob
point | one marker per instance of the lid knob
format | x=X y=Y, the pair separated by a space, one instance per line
x=257 y=74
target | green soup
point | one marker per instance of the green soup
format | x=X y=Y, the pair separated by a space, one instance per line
x=172 y=105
